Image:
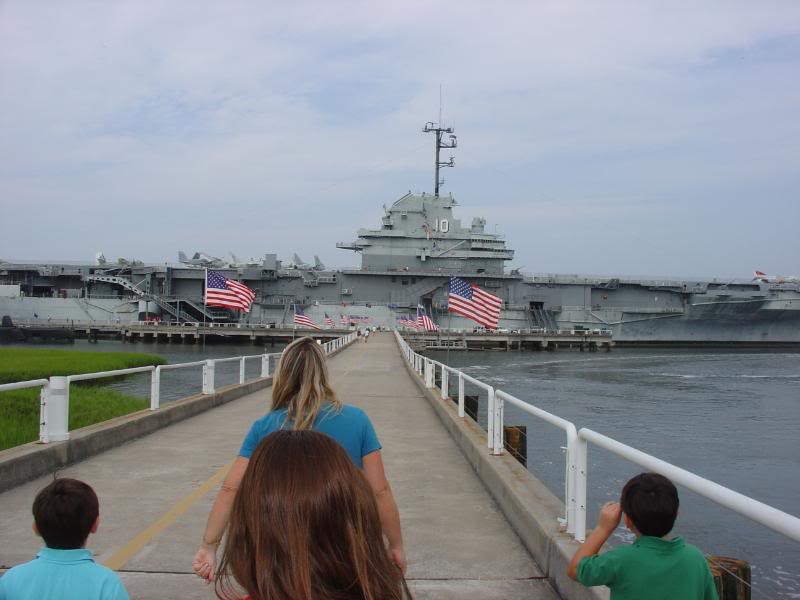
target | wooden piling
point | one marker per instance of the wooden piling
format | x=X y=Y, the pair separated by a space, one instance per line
x=515 y=438
x=471 y=406
x=731 y=577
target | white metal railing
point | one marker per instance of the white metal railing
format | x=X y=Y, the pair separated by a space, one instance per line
x=54 y=395
x=576 y=467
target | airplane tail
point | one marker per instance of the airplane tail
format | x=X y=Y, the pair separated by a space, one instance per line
x=182 y=256
x=758 y=274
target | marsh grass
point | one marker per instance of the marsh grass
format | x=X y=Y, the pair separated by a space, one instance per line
x=89 y=403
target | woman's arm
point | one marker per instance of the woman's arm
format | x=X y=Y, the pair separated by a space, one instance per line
x=205 y=560
x=387 y=507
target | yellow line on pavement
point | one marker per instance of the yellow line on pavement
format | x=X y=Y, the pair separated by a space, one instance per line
x=124 y=554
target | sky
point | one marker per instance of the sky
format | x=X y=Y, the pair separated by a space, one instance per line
x=628 y=138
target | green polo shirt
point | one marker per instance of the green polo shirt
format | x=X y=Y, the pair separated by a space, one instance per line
x=651 y=568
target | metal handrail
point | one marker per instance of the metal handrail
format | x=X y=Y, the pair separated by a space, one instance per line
x=21 y=385
x=766 y=515
x=571 y=485
x=54 y=399
x=577 y=465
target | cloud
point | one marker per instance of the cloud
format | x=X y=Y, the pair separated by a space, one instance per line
x=267 y=128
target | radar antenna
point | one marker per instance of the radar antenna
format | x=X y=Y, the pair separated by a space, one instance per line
x=431 y=127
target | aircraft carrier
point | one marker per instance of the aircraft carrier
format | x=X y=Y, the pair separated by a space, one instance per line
x=405 y=262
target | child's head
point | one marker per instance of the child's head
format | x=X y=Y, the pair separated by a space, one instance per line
x=301 y=383
x=305 y=524
x=650 y=501
x=65 y=513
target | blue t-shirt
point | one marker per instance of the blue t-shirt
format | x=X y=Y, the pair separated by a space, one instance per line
x=61 y=574
x=351 y=428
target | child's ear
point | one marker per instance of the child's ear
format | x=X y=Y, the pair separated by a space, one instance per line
x=95 y=525
x=35 y=529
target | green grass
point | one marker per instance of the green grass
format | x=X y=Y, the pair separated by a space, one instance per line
x=88 y=403
x=22 y=364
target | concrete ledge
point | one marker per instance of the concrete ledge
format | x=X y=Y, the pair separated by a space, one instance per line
x=29 y=461
x=531 y=509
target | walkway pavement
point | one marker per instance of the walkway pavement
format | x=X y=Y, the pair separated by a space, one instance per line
x=155 y=494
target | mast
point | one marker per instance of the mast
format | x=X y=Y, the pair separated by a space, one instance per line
x=431 y=127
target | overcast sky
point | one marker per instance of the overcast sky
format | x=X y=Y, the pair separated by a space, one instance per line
x=630 y=138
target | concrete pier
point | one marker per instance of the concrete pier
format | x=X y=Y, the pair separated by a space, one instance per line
x=155 y=493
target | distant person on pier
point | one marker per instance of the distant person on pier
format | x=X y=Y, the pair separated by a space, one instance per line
x=64 y=514
x=654 y=567
x=305 y=524
x=302 y=398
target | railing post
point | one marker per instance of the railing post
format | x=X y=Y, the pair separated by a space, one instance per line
x=56 y=410
x=490 y=418
x=155 y=388
x=569 y=484
x=445 y=382
x=265 y=365
x=460 y=395
x=580 y=489
x=241 y=370
x=498 y=446
x=208 y=377
x=429 y=368
x=44 y=436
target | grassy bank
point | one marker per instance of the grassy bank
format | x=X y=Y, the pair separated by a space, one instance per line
x=22 y=364
x=89 y=404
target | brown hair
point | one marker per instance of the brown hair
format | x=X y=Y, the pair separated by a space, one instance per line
x=305 y=525
x=64 y=513
x=301 y=383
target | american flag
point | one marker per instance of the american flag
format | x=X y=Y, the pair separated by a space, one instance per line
x=328 y=321
x=424 y=321
x=301 y=318
x=343 y=320
x=221 y=291
x=474 y=303
x=412 y=323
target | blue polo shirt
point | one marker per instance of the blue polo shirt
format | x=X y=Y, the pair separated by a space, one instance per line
x=350 y=427
x=61 y=575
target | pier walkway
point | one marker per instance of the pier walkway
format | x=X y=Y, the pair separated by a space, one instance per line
x=155 y=494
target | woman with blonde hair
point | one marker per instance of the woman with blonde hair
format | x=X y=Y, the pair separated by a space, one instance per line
x=302 y=398
x=305 y=525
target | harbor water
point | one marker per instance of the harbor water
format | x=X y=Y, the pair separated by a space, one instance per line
x=730 y=416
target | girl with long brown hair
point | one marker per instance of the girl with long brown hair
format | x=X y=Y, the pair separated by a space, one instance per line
x=305 y=525
x=302 y=399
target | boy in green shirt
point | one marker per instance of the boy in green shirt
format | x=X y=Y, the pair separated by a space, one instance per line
x=653 y=567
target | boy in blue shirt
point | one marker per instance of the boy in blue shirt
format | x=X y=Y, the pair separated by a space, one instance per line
x=653 y=567
x=64 y=514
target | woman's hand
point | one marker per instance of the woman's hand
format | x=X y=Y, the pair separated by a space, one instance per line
x=205 y=562
x=398 y=556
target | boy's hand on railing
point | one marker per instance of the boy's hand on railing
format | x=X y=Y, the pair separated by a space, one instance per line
x=610 y=515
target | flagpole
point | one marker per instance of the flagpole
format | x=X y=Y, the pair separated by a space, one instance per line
x=205 y=307
x=449 y=333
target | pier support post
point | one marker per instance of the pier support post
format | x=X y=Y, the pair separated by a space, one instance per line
x=516 y=438
x=56 y=410
x=731 y=577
